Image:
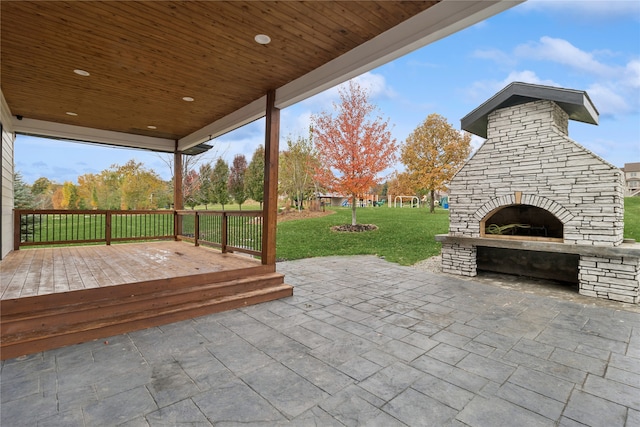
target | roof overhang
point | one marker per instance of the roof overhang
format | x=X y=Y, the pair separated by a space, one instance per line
x=432 y=21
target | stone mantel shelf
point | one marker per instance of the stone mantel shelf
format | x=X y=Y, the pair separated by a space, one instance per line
x=622 y=250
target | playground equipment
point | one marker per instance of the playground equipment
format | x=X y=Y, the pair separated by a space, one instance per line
x=414 y=201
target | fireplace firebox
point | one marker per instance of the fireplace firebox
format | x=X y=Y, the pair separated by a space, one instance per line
x=522 y=222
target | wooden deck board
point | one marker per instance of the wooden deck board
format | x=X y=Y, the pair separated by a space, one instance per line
x=18 y=276
x=42 y=271
x=46 y=280
x=34 y=273
x=60 y=280
x=84 y=271
x=117 y=268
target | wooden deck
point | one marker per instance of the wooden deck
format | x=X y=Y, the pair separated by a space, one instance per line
x=31 y=272
x=51 y=297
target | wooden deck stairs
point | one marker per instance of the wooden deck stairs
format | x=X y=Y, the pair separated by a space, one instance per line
x=32 y=324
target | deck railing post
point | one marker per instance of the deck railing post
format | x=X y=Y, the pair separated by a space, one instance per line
x=196 y=229
x=224 y=231
x=175 y=225
x=17 y=229
x=107 y=227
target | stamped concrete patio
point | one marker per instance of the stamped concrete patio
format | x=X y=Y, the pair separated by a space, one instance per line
x=361 y=342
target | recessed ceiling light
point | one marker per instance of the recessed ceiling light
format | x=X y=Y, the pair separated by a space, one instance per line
x=82 y=73
x=188 y=99
x=151 y=127
x=71 y=113
x=262 y=39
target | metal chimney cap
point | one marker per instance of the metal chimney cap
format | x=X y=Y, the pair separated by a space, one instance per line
x=576 y=103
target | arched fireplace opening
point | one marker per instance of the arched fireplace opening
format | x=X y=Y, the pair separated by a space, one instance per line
x=522 y=222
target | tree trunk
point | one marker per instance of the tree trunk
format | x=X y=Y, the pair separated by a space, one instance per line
x=432 y=202
x=353 y=210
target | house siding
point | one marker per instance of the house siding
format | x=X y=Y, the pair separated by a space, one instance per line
x=632 y=178
x=6 y=185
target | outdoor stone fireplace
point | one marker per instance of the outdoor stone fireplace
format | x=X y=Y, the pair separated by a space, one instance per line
x=533 y=202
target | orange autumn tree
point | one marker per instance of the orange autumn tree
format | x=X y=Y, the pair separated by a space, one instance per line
x=432 y=154
x=353 y=148
x=399 y=185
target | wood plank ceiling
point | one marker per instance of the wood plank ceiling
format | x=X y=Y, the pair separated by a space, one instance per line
x=145 y=56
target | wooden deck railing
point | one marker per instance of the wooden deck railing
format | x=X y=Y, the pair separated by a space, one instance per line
x=231 y=231
x=239 y=231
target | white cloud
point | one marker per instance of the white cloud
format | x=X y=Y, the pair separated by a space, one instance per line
x=297 y=118
x=607 y=101
x=476 y=142
x=483 y=90
x=374 y=83
x=604 y=148
x=243 y=140
x=607 y=96
x=562 y=52
x=496 y=55
x=526 y=76
x=615 y=89
x=632 y=75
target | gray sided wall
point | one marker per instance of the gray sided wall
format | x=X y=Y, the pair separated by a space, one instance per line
x=528 y=151
x=6 y=224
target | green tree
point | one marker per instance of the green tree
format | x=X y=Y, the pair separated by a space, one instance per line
x=87 y=190
x=236 y=179
x=42 y=191
x=109 y=190
x=254 y=176
x=40 y=185
x=206 y=184
x=432 y=154
x=130 y=186
x=22 y=197
x=219 y=181
x=94 y=198
x=137 y=186
x=70 y=198
x=191 y=189
x=298 y=165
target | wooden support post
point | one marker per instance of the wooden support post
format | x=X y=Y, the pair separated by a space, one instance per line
x=270 y=209
x=177 y=191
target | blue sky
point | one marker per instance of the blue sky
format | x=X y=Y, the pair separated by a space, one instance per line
x=580 y=44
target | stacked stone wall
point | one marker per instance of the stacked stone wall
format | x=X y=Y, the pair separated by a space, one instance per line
x=611 y=278
x=528 y=151
x=459 y=259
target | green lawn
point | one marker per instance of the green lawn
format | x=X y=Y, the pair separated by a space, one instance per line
x=404 y=235
x=632 y=218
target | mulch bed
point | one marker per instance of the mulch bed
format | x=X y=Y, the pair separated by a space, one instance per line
x=293 y=214
x=348 y=228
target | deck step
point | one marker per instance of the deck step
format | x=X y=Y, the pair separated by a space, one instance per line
x=109 y=305
x=25 y=332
